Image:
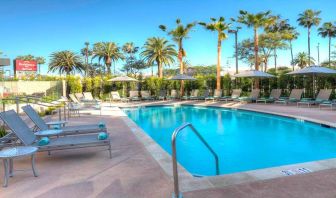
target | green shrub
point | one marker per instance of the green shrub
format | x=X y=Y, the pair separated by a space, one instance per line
x=74 y=84
x=2 y=131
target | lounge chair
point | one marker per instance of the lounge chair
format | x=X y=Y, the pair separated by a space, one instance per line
x=194 y=94
x=80 y=97
x=116 y=97
x=186 y=97
x=162 y=95
x=74 y=99
x=295 y=96
x=329 y=103
x=275 y=95
x=254 y=95
x=205 y=95
x=134 y=96
x=173 y=95
x=235 y=95
x=145 y=95
x=67 y=130
x=216 y=96
x=322 y=96
x=89 y=98
x=28 y=138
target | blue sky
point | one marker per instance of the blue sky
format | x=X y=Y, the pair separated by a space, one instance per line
x=40 y=27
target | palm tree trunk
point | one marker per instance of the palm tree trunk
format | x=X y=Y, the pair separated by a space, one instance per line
x=180 y=57
x=275 y=60
x=291 y=50
x=256 y=49
x=219 y=52
x=329 y=50
x=160 y=69
x=308 y=46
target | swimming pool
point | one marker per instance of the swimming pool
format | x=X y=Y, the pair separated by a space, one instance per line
x=243 y=140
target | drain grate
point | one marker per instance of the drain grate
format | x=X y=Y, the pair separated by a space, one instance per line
x=296 y=171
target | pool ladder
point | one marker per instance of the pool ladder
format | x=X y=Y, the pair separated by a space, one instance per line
x=176 y=193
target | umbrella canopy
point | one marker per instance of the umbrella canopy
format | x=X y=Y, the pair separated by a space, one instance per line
x=313 y=70
x=182 y=77
x=122 y=79
x=253 y=74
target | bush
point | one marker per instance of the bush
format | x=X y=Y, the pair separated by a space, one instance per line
x=2 y=131
x=74 y=84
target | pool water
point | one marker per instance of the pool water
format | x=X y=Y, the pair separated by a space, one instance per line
x=243 y=140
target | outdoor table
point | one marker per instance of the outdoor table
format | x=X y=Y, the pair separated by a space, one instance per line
x=8 y=154
x=49 y=132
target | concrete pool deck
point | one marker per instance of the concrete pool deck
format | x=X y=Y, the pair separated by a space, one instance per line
x=134 y=172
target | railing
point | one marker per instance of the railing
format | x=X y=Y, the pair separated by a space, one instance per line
x=36 y=101
x=177 y=193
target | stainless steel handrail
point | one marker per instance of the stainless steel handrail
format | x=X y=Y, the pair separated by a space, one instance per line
x=177 y=193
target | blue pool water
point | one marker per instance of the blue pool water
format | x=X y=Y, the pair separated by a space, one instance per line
x=243 y=140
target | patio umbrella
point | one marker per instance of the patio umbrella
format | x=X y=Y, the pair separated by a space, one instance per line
x=182 y=77
x=123 y=79
x=253 y=74
x=314 y=71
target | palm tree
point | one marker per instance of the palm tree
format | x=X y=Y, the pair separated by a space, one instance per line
x=86 y=52
x=65 y=62
x=302 y=60
x=130 y=49
x=40 y=61
x=256 y=21
x=292 y=35
x=328 y=30
x=178 y=34
x=28 y=57
x=160 y=51
x=109 y=52
x=308 y=19
x=220 y=27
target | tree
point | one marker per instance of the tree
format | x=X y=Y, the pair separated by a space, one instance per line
x=109 y=52
x=134 y=66
x=28 y=57
x=178 y=34
x=219 y=26
x=302 y=60
x=292 y=35
x=65 y=62
x=130 y=49
x=86 y=52
x=308 y=19
x=40 y=61
x=256 y=21
x=328 y=30
x=160 y=51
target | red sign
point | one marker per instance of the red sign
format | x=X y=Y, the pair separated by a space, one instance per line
x=22 y=65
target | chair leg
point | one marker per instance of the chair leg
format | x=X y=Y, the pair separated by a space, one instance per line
x=33 y=165
x=5 y=163
x=11 y=168
x=110 y=152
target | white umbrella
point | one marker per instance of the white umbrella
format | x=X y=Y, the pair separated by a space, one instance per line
x=314 y=70
x=182 y=77
x=123 y=79
x=253 y=74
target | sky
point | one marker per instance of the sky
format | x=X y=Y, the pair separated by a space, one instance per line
x=40 y=27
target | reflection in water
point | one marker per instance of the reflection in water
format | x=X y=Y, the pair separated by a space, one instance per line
x=243 y=140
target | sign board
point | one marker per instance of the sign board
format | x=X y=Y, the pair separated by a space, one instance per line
x=4 y=62
x=22 y=65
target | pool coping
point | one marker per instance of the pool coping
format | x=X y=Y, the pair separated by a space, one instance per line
x=188 y=182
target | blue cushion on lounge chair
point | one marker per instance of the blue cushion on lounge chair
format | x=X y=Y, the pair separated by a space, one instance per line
x=102 y=136
x=57 y=127
x=101 y=125
x=43 y=141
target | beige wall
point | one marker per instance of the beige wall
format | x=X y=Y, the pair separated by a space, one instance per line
x=30 y=87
